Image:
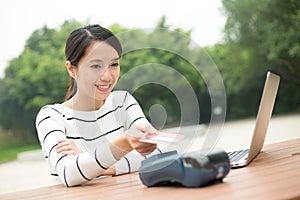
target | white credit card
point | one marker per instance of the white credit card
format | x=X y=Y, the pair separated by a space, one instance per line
x=162 y=138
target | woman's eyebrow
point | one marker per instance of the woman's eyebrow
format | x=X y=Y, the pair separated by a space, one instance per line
x=99 y=60
x=96 y=60
x=114 y=59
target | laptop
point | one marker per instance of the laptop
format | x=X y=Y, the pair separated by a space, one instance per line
x=241 y=158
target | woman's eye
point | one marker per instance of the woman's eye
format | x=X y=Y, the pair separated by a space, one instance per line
x=115 y=64
x=95 y=66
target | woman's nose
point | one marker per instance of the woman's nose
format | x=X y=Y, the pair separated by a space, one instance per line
x=105 y=74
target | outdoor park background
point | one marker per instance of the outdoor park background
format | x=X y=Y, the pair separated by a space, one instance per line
x=259 y=36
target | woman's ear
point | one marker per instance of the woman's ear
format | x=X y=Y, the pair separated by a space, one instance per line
x=71 y=69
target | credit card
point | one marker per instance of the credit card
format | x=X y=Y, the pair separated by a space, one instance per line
x=162 y=138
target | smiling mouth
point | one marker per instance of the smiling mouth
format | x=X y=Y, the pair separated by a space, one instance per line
x=103 y=88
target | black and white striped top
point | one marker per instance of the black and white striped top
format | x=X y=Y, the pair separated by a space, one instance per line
x=91 y=131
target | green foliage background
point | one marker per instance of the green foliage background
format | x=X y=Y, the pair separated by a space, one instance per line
x=259 y=36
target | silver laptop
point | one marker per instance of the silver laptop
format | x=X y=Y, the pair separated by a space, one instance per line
x=241 y=158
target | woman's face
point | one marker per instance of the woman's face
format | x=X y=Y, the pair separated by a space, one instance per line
x=98 y=71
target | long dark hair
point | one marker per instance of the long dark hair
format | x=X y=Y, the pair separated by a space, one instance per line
x=77 y=43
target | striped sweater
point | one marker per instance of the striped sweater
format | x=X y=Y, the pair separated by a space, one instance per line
x=91 y=131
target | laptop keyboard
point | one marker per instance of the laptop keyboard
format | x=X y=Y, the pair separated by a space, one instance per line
x=234 y=156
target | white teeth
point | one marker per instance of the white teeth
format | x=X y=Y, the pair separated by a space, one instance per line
x=103 y=86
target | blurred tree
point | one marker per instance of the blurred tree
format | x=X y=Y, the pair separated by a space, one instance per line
x=35 y=78
x=270 y=29
x=38 y=76
x=239 y=78
x=261 y=36
x=267 y=33
x=165 y=47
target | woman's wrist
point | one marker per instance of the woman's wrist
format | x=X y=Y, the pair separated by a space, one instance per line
x=120 y=147
x=109 y=172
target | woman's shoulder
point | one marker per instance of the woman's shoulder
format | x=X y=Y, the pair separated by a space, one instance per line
x=53 y=109
x=119 y=93
x=121 y=97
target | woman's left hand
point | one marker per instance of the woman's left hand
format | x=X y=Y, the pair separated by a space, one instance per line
x=67 y=147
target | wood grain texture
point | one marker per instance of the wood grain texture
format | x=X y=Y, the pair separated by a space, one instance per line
x=273 y=174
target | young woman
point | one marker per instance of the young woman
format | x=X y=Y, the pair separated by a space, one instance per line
x=93 y=132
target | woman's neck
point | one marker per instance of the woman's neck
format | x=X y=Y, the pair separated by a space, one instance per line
x=84 y=104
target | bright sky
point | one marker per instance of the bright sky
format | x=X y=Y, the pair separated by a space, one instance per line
x=19 y=18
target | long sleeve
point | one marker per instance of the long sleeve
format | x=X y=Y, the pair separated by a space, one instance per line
x=72 y=169
x=133 y=116
x=132 y=162
x=92 y=132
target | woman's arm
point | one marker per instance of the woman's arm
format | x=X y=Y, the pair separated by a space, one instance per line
x=72 y=169
x=131 y=162
x=75 y=167
x=135 y=123
x=68 y=147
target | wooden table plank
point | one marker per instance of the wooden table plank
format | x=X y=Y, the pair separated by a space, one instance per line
x=273 y=174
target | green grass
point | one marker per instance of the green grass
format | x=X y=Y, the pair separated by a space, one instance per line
x=10 y=146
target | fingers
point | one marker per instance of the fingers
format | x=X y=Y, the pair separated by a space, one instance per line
x=150 y=135
x=142 y=147
x=146 y=152
x=68 y=152
x=149 y=129
x=67 y=147
x=63 y=145
x=141 y=130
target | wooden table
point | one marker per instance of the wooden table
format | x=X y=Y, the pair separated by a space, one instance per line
x=274 y=174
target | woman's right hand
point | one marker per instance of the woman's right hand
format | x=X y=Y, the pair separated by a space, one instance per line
x=138 y=131
x=142 y=147
x=130 y=140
